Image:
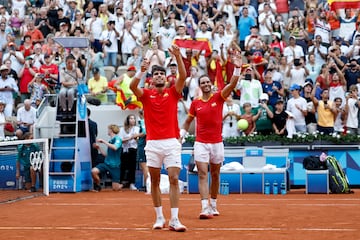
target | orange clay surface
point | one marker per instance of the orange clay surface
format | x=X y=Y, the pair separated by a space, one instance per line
x=130 y=215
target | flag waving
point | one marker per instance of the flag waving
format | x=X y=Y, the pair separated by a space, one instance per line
x=338 y=4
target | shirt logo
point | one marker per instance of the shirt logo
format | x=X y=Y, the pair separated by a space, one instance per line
x=199 y=108
x=213 y=105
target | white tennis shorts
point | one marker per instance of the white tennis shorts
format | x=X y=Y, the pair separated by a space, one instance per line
x=209 y=152
x=165 y=151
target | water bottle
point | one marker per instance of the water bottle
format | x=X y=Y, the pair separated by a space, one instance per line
x=275 y=188
x=226 y=188
x=283 y=188
x=222 y=188
x=267 y=188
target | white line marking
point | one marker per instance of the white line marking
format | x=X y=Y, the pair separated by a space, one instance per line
x=193 y=229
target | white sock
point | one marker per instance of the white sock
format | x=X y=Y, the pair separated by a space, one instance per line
x=204 y=203
x=174 y=213
x=159 y=212
x=213 y=202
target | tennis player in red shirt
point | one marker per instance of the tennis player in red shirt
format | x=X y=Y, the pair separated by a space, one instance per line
x=208 y=147
x=162 y=134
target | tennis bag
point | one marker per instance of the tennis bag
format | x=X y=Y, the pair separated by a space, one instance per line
x=338 y=182
x=313 y=163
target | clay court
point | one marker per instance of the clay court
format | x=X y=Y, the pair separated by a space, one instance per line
x=130 y=215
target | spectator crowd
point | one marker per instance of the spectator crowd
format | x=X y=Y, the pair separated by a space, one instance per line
x=301 y=70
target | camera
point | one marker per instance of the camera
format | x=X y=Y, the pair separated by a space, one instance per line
x=108 y=43
x=325 y=102
x=332 y=70
x=297 y=62
x=248 y=76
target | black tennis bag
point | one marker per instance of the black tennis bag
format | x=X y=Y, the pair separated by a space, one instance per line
x=338 y=182
x=313 y=163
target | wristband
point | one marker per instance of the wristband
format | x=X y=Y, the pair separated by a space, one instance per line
x=237 y=72
x=139 y=75
x=183 y=133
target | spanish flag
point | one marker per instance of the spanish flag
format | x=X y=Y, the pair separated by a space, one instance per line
x=338 y=4
x=123 y=102
x=198 y=44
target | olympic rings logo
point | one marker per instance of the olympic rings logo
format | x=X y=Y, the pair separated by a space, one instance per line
x=36 y=160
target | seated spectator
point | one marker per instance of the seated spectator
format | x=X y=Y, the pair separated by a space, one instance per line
x=37 y=90
x=98 y=86
x=51 y=73
x=69 y=76
x=25 y=117
x=112 y=159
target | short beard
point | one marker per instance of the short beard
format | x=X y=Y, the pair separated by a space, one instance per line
x=159 y=85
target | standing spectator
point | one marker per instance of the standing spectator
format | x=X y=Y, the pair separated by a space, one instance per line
x=352 y=111
x=272 y=88
x=37 y=56
x=93 y=133
x=266 y=20
x=310 y=118
x=351 y=73
x=244 y=25
x=155 y=55
x=250 y=88
x=298 y=73
x=21 y=6
x=297 y=106
x=250 y=118
x=26 y=74
x=231 y=113
x=322 y=28
x=26 y=48
x=135 y=58
x=208 y=147
x=112 y=159
x=16 y=57
x=129 y=134
x=280 y=118
x=319 y=51
x=8 y=86
x=94 y=27
x=265 y=115
x=337 y=85
x=97 y=61
x=109 y=42
x=25 y=117
x=141 y=143
x=128 y=39
x=42 y=22
x=348 y=23
x=293 y=50
x=325 y=111
x=165 y=36
x=162 y=133
x=36 y=34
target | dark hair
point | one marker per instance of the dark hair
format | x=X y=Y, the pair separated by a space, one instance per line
x=202 y=76
x=70 y=56
x=156 y=68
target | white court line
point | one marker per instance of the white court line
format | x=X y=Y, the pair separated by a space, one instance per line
x=189 y=229
x=221 y=204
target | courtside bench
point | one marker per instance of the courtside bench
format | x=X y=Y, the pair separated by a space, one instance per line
x=251 y=179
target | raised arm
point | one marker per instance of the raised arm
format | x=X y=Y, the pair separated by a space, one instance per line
x=237 y=61
x=180 y=82
x=134 y=84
